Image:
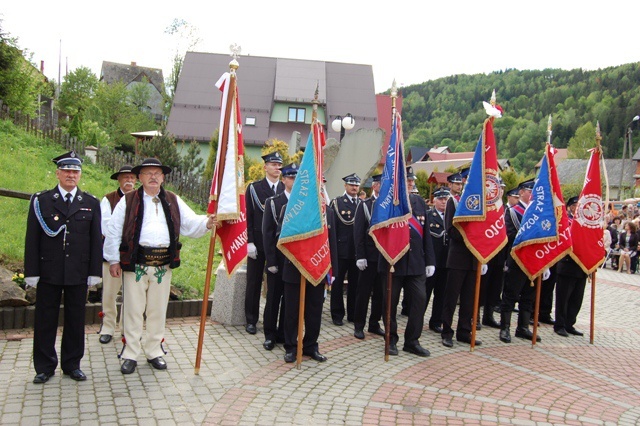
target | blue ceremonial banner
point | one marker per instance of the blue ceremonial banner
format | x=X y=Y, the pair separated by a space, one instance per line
x=539 y=223
x=472 y=203
x=391 y=210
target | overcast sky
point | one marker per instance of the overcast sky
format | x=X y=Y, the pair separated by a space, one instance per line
x=411 y=41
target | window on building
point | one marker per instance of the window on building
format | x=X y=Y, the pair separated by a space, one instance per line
x=297 y=114
x=250 y=121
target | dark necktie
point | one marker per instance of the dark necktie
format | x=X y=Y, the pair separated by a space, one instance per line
x=68 y=199
x=273 y=188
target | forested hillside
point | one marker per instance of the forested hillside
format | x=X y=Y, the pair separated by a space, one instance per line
x=449 y=111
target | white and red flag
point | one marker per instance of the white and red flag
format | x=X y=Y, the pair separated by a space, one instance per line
x=586 y=227
x=227 y=187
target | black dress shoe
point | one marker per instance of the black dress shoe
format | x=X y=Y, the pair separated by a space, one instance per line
x=316 y=356
x=128 y=366
x=105 y=338
x=158 y=363
x=76 y=375
x=43 y=377
x=490 y=322
x=562 y=332
x=289 y=357
x=393 y=349
x=478 y=325
x=416 y=350
x=251 y=329
x=575 y=332
x=268 y=344
x=547 y=320
x=525 y=333
x=446 y=341
x=358 y=334
x=376 y=330
x=467 y=339
x=338 y=322
x=505 y=336
x=436 y=328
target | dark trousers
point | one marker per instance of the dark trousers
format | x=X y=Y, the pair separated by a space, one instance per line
x=48 y=296
x=491 y=284
x=369 y=288
x=569 y=295
x=517 y=288
x=314 y=298
x=345 y=267
x=255 y=273
x=546 y=294
x=460 y=284
x=415 y=292
x=273 y=318
x=436 y=284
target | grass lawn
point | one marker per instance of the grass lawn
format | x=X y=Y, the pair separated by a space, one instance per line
x=25 y=164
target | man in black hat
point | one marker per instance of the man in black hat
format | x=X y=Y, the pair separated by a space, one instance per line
x=63 y=255
x=369 y=281
x=256 y=196
x=571 y=282
x=110 y=285
x=513 y=197
x=461 y=274
x=436 y=283
x=142 y=246
x=517 y=286
x=274 y=209
x=344 y=208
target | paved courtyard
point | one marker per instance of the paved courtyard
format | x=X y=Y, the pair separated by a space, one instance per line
x=560 y=381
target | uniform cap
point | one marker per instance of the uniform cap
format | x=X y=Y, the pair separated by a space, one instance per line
x=289 y=170
x=272 y=157
x=454 y=178
x=376 y=178
x=527 y=184
x=351 y=179
x=441 y=192
x=571 y=201
x=410 y=174
x=68 y=161
x=513 y=193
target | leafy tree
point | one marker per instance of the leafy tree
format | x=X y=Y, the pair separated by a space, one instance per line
x=256 y=170
x=163 y=148
x=77 y=91
x=187 y=39
x=75 y=128
x=191 y=162
x=139 y=95
x=584 y=139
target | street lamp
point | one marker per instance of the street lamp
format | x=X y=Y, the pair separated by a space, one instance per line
x=624 y=152
x=340 y=124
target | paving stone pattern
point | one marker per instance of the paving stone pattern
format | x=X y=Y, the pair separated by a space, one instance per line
x=559 y=381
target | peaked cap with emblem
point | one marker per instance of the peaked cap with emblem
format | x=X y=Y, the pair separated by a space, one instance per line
x=151 y=162
x=127 y=168
x=441 y=192
x=376 y=178
x=289 y=170
x=513 y=193
x=410 y=174
x=571 y=201
x=272 y=157
x=454 y=178
x=351 y=179
x=527 y=184
x=68 y=161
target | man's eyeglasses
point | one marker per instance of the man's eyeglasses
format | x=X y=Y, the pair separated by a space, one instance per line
x=154 y=174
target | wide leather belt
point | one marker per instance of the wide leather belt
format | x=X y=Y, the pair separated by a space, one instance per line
x=153 y=256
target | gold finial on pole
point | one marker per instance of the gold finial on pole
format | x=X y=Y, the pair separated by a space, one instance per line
x=394 y=94
x=315 y=103
x=493 y=98
x=235 y=52
x=549 y=130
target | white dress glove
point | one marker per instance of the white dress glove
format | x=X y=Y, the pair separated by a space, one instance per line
x=361 y=264
x=93 y=281
x=273 y=269
x=31 y=281
x=546 y=274
x=430 y=270
x=483 y=269
x=252 y=251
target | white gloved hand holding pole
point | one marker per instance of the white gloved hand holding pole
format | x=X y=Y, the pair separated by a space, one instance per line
x=252 y=251
x=361 y=264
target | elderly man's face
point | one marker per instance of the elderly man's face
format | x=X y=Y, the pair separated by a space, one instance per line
x=352 y=190
x=68 y=179
x=151 y=179
x=127 y=182
x=440 y=203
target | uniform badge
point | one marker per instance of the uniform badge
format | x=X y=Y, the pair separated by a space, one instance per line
x=56 y=218
x=56 y=195
x=342 y=212
x=79 y=197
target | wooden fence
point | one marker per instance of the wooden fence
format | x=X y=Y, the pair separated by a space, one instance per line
x=187 y=185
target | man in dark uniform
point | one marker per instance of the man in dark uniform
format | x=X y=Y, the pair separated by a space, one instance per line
x=314 y=299
x=571 y=283
x=256 y=195
x=410 y=273
x=419 y=209
x=110 y=285
x=369 y=281
x=63 y=254
x=344 y=208
x=461 y=274
x=436 y=284
x=274 y=208
x=517 y=286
